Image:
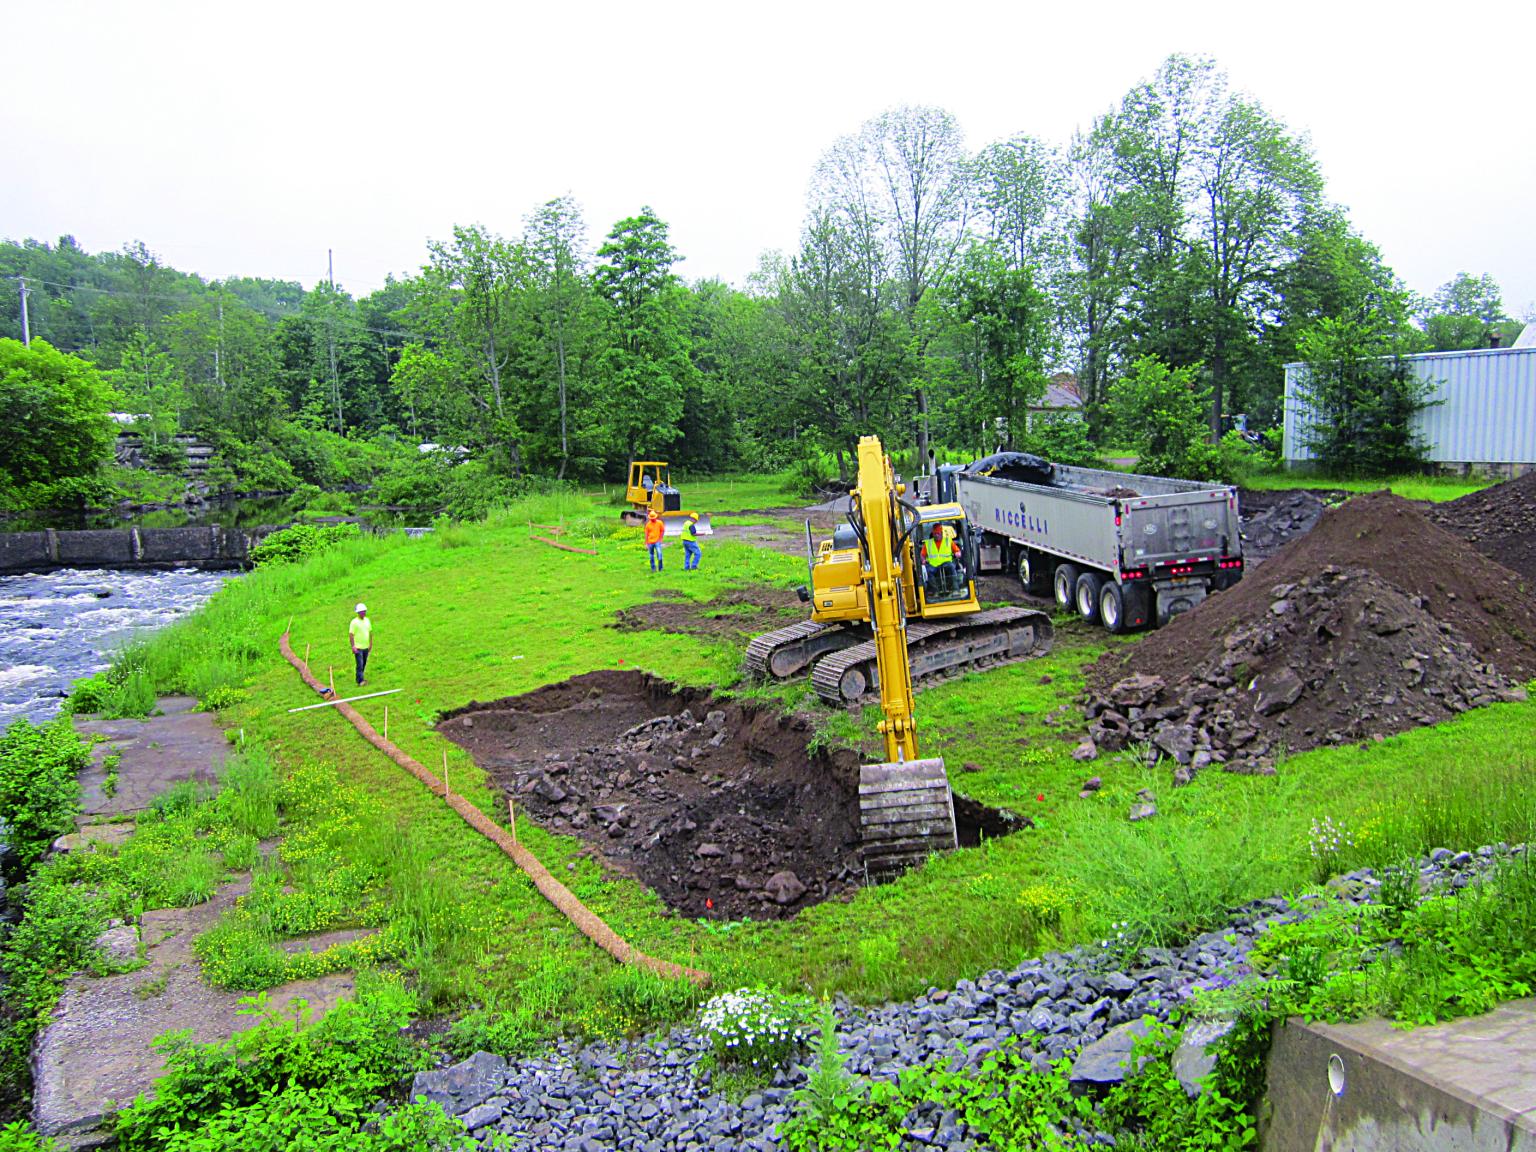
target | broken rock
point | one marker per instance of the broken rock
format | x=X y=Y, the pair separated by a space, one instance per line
x=784 y=887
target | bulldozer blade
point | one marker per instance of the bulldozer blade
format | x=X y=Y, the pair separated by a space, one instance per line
x=906 y=813
x=677 y=524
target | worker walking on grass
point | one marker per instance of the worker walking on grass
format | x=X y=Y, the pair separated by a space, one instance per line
x=361 y=630
x=691 y=554
x=655 y=533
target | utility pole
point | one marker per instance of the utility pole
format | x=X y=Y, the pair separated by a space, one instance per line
x=26 y=323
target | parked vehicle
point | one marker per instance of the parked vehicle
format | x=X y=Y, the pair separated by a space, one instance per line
x=1119 y=548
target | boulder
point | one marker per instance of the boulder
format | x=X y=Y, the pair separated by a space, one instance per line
x=784 y=887
x=462 y=1086
x=1105 y=1062
x=1276 y=690
x=1195 y=1057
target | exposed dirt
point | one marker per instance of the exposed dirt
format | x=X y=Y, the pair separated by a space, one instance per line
x=1374 y=622
x=701 y=799
x=738 y=613
x=1271 y=520
x=1500 y=522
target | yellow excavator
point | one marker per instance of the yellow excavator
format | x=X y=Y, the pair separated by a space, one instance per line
x=933 y=552
x=906 y=809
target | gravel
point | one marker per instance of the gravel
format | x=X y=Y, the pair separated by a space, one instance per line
x=653 y=1095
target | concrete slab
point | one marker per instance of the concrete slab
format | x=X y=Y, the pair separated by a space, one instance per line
x=156 y=752
x=97 y=1052
x=1464 y=1085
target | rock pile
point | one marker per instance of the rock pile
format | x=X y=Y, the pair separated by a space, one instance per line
x=1375 y=622
x=1272 y=520
x=1500 y=522
x=655 y=1095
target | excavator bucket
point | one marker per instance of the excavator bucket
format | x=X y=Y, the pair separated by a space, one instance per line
x=906 y=813
x=677 y=524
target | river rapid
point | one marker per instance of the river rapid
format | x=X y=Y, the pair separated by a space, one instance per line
x=67 y=624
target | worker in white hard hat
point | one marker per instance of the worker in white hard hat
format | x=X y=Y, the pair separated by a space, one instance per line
x=361 y=630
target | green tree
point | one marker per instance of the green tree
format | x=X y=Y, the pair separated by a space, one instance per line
x=1161 y=412
x=1362 y=398
x=53 y=414
x=1466 y=312
x=646 y=369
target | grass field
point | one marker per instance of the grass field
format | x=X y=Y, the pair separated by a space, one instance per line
x=1435 y=488
x=479 y=612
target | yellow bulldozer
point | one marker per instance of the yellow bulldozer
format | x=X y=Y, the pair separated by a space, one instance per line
x=650 y=490
x=933 y=553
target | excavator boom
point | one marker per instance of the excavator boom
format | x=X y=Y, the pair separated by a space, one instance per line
x=906 y=810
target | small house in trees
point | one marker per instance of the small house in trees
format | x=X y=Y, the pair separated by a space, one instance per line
x=1061 y=399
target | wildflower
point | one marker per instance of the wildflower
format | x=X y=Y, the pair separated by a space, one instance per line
x=1040 y=796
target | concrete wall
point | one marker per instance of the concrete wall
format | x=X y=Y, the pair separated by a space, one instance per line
x=208 y=547
x=1462 y=1086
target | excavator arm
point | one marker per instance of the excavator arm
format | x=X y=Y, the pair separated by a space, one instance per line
x=906 y=810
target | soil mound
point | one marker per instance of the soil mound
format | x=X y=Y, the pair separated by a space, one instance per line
x=738 y=613
x=701 y=799
x=1500 y=522
x=1374 y=622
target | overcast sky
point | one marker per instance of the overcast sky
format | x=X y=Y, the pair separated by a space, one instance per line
x=246 y=139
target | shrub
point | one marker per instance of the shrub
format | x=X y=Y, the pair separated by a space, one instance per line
x=1161 y=412
x=299 y=541
x=1061 y=440
x=39 y=787
x=18 y=1136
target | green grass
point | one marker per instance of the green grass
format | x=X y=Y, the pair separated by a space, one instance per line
x=495 y=615
x=1433 y=488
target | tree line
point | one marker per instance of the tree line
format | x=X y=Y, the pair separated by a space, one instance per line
x=1186 y=236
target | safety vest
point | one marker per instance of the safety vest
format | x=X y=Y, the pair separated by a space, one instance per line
x=942 y=550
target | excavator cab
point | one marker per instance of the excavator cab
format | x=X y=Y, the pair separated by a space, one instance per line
x=944 y=554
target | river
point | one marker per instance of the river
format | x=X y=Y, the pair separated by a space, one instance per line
x=67 y=624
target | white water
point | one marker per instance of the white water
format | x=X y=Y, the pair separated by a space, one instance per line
x=67 y=624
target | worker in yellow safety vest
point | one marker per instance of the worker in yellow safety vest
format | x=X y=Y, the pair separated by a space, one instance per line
x=940 y=552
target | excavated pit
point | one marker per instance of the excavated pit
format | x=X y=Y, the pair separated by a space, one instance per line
x=720 y=806
x=734 y=614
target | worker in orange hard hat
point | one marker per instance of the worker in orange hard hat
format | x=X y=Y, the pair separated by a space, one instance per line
x=655 y=533
x=691 y=554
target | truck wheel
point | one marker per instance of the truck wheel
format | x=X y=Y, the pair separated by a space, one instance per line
x=1112 y=607
x=1088 y=585
x=1064 y=585
x=1033 y=572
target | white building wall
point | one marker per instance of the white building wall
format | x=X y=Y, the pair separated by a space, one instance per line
x=1487 y=418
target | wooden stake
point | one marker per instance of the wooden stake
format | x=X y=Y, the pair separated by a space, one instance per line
x=386 y=721
x=306 y=655
x=288 y=629
x=512 y=819
x=446 y=790
x=332 y=673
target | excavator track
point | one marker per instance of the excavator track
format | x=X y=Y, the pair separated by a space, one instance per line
x=784 y=652
x=936 y=647
x=906 y=814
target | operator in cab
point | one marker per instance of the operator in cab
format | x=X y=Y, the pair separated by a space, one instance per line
x=941 y=559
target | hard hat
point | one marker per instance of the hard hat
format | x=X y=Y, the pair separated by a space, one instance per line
x=693 y=515
x=361 y=608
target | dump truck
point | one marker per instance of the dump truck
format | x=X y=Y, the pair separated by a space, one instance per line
x=650 y=490
x=1121 y=549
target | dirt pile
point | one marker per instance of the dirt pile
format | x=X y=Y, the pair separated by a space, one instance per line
x=1374 y=622
x=719 y=806
x=1500 y=522
x=731 y=615
x=1271 y=520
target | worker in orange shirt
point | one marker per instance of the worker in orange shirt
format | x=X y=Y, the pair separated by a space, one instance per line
x=655 y=533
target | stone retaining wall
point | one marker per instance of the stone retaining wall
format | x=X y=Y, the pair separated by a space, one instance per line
x=205 y=547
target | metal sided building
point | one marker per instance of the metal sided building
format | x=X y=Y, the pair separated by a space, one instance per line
x=1485 y=421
